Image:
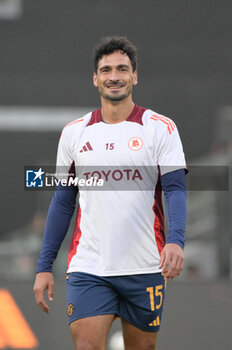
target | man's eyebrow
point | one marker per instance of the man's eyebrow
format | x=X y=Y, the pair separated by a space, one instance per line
x=109 y=67
x=123 y=66
x=104 y=67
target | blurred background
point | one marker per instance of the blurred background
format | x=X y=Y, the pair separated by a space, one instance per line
x=46 y=66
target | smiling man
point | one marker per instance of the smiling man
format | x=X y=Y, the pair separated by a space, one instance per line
x=118 y=260
x=115 y=77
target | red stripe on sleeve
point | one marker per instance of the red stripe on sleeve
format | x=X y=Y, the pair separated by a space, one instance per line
x=159 y=218
x=76 y=237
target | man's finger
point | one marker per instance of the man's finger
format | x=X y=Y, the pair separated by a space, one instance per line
x=39 y=297
x=180 y=265
x=50 y=291
x=43 y=305
x=172 y=272
x=166 y=263
x=162 y=259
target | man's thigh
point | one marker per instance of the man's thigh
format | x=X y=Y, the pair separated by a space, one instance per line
x=88 y=296
x=137 y=339
x=91 y=333
x=141 y=299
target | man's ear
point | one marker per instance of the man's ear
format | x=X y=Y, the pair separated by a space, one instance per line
x=135 y=78
x=95 y=79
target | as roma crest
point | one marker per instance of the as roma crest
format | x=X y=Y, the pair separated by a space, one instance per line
x=70 y=309
x=135 y=143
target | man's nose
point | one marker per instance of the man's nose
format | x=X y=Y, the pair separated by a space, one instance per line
x=114 y=75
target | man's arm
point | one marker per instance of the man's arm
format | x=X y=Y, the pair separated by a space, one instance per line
x=172 y=256
x=58 y=220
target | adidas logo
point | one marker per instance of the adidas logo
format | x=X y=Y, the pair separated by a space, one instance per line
x=87 y=147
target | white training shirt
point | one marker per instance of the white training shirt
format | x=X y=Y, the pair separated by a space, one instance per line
x=119 y=230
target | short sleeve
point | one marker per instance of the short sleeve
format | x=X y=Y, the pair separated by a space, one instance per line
x=170 y=155
x=64 y=160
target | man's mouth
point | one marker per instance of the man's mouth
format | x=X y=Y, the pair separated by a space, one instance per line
x=114 y=86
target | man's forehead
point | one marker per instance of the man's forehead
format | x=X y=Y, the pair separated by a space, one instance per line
x=114 y=59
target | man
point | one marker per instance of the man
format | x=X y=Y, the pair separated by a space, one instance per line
x=118 y=260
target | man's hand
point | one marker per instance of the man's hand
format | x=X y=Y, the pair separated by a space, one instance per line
x=43 y=281
x=171 y=260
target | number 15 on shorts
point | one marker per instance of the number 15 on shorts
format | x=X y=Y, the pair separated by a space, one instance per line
x=156 y=300
x=158 y=293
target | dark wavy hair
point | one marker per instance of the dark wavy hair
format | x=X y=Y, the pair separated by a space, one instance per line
x=111 y=44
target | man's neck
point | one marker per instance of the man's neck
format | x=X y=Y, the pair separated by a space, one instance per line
x=113 y=113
